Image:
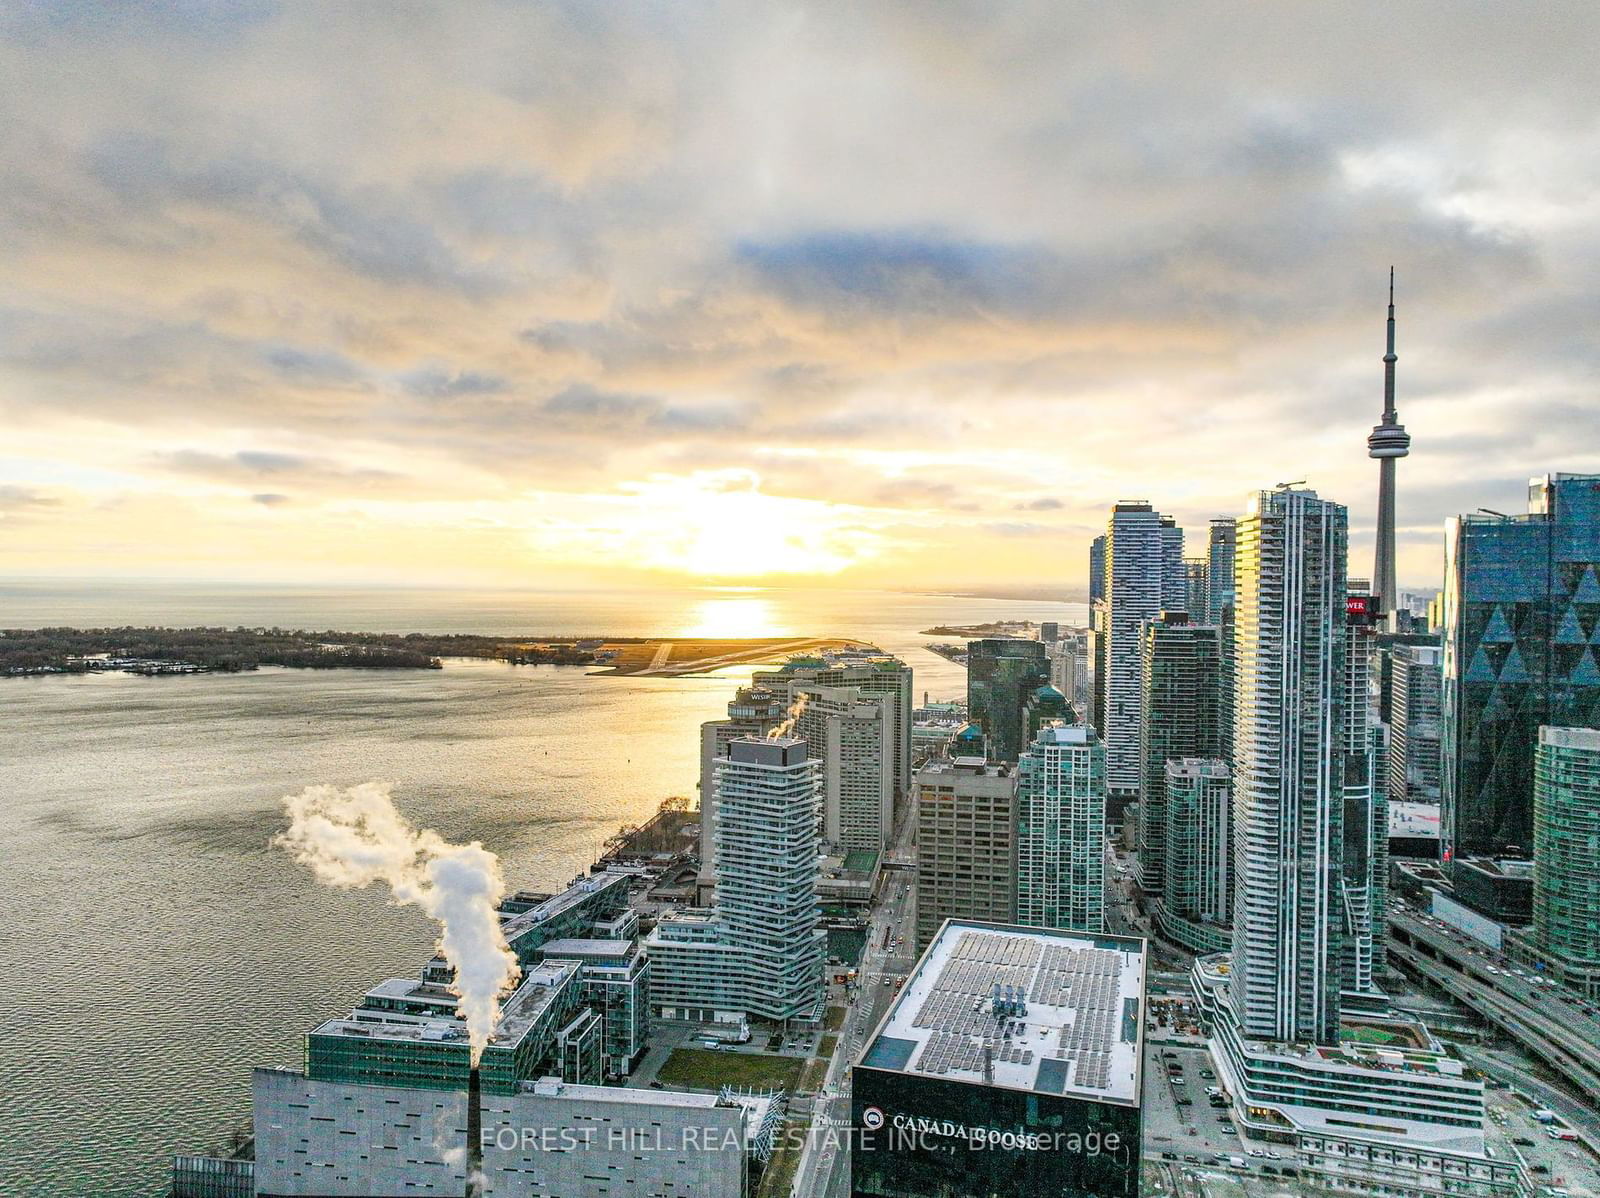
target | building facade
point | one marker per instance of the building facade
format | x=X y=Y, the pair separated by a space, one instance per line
x=1221 y=540
x=1366 y=800
x=583 y=1141
x=1001 y=677
x=1288 y=758
x=852 y=734
x=1521 y=632
x=1196 y=907
x=1144 y=576
x=1180 y=716
x=1566 y=855
x=966 y=843
x=1414 y=725
x=760 y=953
x=869 y=671
x=753 y=711
x=1061 y=830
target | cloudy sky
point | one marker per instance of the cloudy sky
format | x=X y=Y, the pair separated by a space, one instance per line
x=542 y=294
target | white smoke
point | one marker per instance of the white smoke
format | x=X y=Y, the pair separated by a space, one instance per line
x=355 y=837
x=790 y=719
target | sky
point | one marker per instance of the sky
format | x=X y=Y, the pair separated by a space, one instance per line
x=904 y=295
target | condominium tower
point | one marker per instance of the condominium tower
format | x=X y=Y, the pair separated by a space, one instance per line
x=759 y=953
x=1566 y=856
x=1061 y=830
x=752 y=712
x=1144 y=576
x=1196 y=907
x=852 y=734
x=1414 y=726
x=1219 y=572
x=1181 y=716
x=1288 y=766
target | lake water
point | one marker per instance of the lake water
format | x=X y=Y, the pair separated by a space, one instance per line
x=158 y=947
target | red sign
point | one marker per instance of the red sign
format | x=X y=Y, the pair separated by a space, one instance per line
x=1360 y=609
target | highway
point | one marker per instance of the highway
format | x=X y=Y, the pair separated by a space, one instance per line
x=1548 y=1021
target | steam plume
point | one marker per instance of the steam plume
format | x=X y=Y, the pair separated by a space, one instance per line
x=353 y=838
x=790 y=719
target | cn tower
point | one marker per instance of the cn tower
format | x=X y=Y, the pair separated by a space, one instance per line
x=1388 y=441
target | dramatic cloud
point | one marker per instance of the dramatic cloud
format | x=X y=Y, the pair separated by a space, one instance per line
x=533 y=292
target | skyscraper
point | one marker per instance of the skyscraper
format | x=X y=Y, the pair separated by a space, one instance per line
x=873 y=673
x=1387 y=442
x=1197 y=581
x=752 y=712
x=1521 y=635
x=1002 y=675
x=1196 y=907
x=852 y=735
x=966 y=843
x=1566 y=855
x=1413 y=766
x=1219 y=571
x=1144 y=576
x=1097 y=568
x=1181 y=701
x=1366 y=804
x=1288 y=766
x=760 y=952
x=1061 y=830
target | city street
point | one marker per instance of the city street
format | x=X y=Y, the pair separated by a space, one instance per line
x=824 y=1166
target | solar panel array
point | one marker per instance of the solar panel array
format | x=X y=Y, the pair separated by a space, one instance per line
x=1096 y=1002
x=959 y=1009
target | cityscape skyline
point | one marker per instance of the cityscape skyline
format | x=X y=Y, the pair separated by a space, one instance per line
x=799 y=601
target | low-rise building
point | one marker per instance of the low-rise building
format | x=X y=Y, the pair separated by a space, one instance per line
x=614 y=976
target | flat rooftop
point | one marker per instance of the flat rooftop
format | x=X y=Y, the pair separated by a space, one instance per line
x=580 y=890
x=411 y=988
x=576 y=946
x=518 y=1013
x=1413 y=819
x=1036 y=1009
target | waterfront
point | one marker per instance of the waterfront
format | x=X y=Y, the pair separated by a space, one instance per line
x=159 y=946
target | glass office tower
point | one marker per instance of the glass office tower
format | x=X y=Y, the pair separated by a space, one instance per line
x=1521 y=635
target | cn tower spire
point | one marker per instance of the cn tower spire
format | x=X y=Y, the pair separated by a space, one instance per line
x=1387 y=442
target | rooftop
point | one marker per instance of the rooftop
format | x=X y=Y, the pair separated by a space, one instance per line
x=581 y=889
x=1570 y=738
x=540 y=987
x=576 y=946
x=1035 y=1009
x=1413 y=819
x=416 y=991
x=517 y=1014
x=756 y=1107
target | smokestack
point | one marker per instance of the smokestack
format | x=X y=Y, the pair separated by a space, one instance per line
x=474 y=1135
x=353 y=838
